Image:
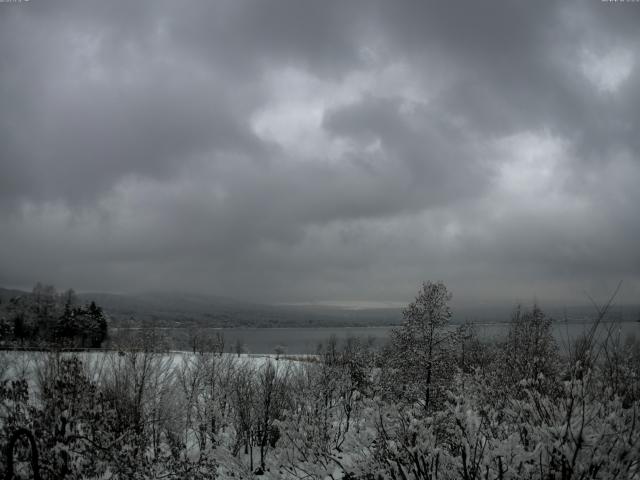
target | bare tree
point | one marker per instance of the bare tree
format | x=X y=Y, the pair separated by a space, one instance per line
x=272 y=386
x=243 y=398
x=239 y=347
x=421 y=348
x=279 y=350
x=530 y=351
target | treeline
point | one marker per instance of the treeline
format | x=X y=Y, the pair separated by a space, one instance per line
x=46 y=317
x=434 y=404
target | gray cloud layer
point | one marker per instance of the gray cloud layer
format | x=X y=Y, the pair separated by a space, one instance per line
x=322 y=151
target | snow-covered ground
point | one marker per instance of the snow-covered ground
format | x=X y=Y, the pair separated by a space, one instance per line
x=29 y=365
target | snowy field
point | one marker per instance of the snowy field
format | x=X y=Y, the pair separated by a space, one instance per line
x=25 y=364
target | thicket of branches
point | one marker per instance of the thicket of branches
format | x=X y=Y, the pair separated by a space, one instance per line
x=436 y=403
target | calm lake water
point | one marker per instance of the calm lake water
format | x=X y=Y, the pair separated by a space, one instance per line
x=306 y=340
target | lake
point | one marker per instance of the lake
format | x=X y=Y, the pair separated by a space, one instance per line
x=304 y=340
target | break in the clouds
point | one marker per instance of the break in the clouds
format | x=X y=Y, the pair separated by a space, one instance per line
x=293 y=151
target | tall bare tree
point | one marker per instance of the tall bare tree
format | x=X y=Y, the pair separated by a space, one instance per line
x=421 y=348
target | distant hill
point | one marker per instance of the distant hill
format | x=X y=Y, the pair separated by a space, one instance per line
x=180 y=310
x=571 y=314
x=7 y=294
x=192 y=310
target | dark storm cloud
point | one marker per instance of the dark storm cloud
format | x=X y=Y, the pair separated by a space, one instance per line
x=295 y=151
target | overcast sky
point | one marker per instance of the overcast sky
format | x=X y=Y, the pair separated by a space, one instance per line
x=319 y=151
